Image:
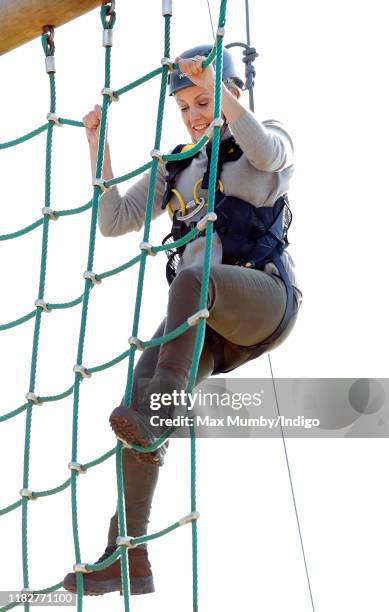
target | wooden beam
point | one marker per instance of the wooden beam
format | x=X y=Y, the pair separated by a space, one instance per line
x=23 y=20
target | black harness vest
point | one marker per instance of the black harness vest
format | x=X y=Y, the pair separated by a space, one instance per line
x=250 y=237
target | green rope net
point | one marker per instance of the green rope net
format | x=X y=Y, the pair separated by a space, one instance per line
x=108 y=18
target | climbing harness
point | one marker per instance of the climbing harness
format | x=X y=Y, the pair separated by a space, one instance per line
x=250 y=236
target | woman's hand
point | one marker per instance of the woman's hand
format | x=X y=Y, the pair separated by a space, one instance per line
x=192 y=68
x=92 y=124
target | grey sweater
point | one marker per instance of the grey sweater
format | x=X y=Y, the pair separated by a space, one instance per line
x=260 y=176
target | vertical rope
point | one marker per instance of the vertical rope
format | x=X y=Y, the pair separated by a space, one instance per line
x=200 y=332
x=37 y=325
x=85 y=303
x=138 y=302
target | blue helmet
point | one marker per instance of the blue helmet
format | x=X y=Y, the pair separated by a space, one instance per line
x=178 y=81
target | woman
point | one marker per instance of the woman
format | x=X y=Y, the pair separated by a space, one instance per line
x=253 y=177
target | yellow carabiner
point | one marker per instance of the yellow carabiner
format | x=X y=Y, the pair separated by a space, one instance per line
x=196 y=185
x=180 y=201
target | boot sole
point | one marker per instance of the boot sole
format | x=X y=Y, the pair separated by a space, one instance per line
x=139 y=585
x=126 y=425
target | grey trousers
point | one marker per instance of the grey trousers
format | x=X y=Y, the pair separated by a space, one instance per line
x=245 y=306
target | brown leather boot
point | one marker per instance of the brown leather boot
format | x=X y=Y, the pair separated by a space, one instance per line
x=109 y=579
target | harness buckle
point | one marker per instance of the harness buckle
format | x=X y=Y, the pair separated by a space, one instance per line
x=196 y=208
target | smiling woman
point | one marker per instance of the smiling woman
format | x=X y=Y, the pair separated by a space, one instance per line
x=194 y=91
x=253 y=298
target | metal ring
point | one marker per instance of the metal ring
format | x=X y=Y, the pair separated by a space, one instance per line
x=208 y=218
x=126 y=541
x=80 y=369
x=50 y=213
x=106 y=91
x=81 y=567
x=53 y=118
x=99 y=182
x=92 y=277
x=147 y=246
x=166 y=61
x=195 y=318
x=136 y=342
x=27 y=493
x=49 y=29
x=217 y=122
x=31 y=397
x=77 y=467
x=42 y=304
x=156 y=154
x=192 y=516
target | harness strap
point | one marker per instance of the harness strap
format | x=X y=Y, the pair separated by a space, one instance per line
x=255 y=350
x=229 y=150
x=173 y=169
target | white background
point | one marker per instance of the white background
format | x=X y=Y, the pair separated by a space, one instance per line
x=321 y=71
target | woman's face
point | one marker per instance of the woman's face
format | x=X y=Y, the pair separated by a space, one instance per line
x=196 y=107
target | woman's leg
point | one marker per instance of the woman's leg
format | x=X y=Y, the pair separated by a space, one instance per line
x=245 y=306
x=140 y=478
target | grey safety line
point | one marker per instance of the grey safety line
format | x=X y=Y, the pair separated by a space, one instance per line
x=251 y=104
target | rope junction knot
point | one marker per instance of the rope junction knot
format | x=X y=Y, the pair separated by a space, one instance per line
x=134 y=341
x=82 y=371
x=53 y=118
x=126 y=541
x=92 y=277
x=208 y=218
x=197 y=316
x=46 y=210
x=34 y=399
x=166 y=61
x=77 y=467
x=189 y=518
x=81 y=567
x=157 y=154
x=27 y=493
x=99 y=182
x=147 y=246
x=42 y=304
x=106 y=91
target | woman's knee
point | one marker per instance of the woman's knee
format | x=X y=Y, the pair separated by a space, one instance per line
x=188 y=283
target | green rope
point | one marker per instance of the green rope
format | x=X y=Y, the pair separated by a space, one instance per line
x=62 y=486
x=35 y=344
x=108 y=18
x=21 y=139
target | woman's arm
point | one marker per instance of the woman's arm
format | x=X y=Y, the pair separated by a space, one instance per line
x=118 y=214
x=267 y=145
